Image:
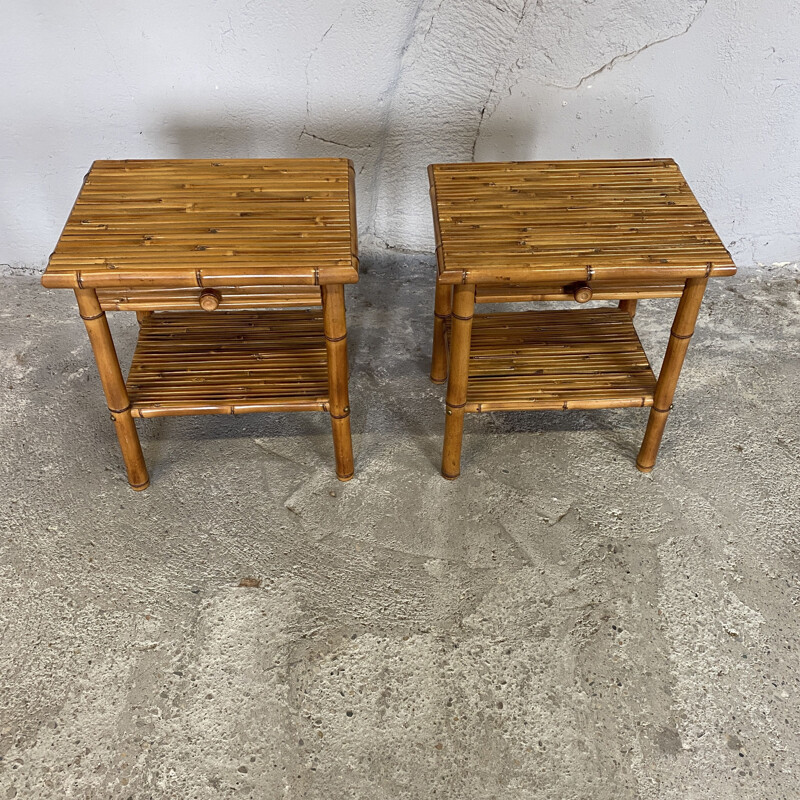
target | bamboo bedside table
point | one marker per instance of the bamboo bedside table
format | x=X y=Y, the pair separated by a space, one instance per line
x=188 y=245
x=563 y=230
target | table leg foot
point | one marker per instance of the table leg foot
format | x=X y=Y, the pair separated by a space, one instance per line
x=131 y=450
x=343 y=447
x=453 y=438
x=648 y=452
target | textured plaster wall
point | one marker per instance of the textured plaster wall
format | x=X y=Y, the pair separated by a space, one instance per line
x=396 y=84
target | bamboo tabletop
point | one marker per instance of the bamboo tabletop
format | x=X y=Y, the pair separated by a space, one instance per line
x=619 y=220
x=201 y=222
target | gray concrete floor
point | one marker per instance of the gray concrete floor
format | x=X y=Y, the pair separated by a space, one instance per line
x=552 y=625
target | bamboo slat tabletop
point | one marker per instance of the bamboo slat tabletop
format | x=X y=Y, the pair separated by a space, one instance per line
x=619 y=220
x=202 y=222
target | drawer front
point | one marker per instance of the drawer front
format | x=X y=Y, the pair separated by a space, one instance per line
x=229 y=298
x=599 y=290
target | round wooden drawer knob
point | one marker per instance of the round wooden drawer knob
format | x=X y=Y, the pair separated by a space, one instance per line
x=582 y=293
x=209 y=299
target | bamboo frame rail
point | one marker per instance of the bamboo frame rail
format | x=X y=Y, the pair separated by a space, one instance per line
x=236 y=271
x=578 y=231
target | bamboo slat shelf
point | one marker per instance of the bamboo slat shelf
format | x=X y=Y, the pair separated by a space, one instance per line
x=563 y=230
x=557 y=360
x=221 y=260
x=229 y=363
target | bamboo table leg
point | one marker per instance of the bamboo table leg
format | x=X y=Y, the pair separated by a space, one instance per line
x=460 y=339
x=441 y=313
x=336 y=345
x=629 y=306
x=680 y=335
x=114 y=386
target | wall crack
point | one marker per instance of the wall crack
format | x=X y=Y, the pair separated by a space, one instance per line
x=632 y=54
x=310 y=58
x=310 y=135
x=509 y=71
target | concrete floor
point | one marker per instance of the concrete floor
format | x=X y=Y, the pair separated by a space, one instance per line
x=552 y=625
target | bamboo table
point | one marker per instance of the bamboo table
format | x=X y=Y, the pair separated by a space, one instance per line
x=563 y=230
x=189 y=244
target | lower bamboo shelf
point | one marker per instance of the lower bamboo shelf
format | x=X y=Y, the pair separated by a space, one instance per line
x=584 y=358
x=229 y=362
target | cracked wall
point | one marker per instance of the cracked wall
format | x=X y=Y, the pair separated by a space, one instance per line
x=397 y=85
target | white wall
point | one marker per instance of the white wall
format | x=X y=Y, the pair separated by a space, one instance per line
x=397 y=84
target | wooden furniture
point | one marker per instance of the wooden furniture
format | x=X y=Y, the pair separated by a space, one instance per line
x=190 y=244
x=563 y=230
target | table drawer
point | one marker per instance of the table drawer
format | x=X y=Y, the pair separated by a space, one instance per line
x=228 y=297
x=600 y=290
